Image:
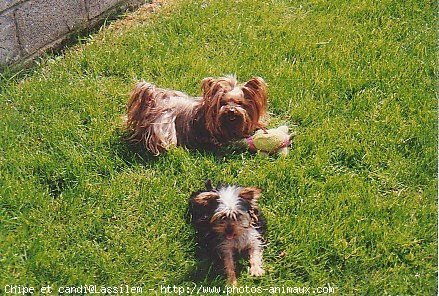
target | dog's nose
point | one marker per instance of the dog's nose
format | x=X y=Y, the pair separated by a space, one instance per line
x=229 y=232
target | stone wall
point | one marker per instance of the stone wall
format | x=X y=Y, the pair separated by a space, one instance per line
x=30 y=27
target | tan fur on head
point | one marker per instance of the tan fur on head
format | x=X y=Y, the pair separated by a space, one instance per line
x=247 y=103
x=160 y=118
x=204 y=197
x=251 y=194
x=256 y=90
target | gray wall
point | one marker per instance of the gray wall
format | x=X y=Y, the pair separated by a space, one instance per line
x=29 y=27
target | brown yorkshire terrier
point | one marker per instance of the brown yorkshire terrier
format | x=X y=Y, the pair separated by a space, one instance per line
x=160 y=118
x=227 y=220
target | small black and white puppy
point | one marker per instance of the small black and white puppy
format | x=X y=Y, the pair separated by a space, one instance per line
x=227 y=220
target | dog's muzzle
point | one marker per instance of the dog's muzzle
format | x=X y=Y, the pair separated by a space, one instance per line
x=232 y=112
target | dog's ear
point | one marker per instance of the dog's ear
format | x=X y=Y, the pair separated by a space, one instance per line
x=208 y=184
x=251 y=194
x=206 y=84
x=203 y=198
x=255 y=90
x=256 y=84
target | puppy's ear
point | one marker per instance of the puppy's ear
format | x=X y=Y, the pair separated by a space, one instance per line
x=251 y=194
x=208 y=184
x=203 y=198
x=206 y=84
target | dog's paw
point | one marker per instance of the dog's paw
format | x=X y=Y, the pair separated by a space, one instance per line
x=232 y=282
x=256 y=271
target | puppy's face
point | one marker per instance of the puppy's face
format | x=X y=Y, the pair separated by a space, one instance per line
x=228 y=210
x=231 y=226
x=233 y=111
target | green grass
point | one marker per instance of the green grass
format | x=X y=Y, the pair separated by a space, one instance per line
x=354 y=205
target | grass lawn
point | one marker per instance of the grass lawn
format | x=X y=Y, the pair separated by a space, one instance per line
x=353 y=206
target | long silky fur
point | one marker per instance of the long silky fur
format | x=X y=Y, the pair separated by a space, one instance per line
x=160 y=118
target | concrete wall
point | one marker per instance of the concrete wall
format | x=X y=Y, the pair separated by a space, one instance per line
x=29 y=27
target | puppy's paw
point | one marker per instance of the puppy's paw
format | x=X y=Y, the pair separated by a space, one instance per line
x=256 y=271
x=232 y=282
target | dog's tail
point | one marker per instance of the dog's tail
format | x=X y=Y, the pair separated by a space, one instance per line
x=141 y=99
x=144 y=118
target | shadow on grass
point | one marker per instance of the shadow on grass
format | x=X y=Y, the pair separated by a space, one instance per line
x=136 y=153
x=129 y=153
x=209 y=269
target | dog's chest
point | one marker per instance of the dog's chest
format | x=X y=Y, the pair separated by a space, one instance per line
x=245 y=241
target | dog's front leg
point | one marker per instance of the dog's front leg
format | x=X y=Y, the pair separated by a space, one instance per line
x=255 y=254
x=229 y=266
